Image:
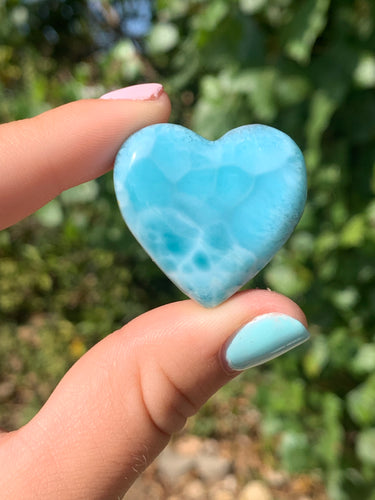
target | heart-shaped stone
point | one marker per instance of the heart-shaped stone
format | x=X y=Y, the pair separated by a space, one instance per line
x=211 y=214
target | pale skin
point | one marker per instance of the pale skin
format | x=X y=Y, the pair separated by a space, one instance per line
x=117 y=407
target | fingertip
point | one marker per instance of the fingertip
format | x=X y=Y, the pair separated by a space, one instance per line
x=165 y=104
x=67 y=146
x=263 y=301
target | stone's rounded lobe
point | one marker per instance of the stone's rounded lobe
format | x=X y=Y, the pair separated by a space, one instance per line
x=211 y=214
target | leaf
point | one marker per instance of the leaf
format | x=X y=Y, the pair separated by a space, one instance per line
x=304 y=29
x=295 y=451
x=330 y=442
x=251 y=6
x=124 y=56
x=236 y=40
x=365 y=446
x=262 y=97
x=282 y=397
x=84 y=193
x=322 y=108
x=292 y=89
x=211 y=15
x=325 y=242
x=172 y=9
x=162 y=38
x=354 y=232
x=361 y=402
x=317 y=356
x=51 y=215
x=346 y=298
x=288 y=277
x=364 y=74
x=364 y=360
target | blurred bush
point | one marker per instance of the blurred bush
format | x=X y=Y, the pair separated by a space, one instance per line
x=72 y=272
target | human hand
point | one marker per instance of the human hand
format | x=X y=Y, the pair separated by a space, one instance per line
x=116 y=408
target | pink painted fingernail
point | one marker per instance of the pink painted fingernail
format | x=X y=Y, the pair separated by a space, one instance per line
x=142 y=92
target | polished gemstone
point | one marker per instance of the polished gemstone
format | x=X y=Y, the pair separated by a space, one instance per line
x=211 y=214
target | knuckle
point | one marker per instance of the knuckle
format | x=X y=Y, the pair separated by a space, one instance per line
x=167 y=405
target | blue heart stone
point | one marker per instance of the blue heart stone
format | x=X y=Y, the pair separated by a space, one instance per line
x=211 y=214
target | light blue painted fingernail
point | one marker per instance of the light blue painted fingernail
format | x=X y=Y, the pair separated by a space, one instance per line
x=264 y=338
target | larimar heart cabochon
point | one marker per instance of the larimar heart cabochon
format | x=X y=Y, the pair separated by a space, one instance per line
x=211 y=214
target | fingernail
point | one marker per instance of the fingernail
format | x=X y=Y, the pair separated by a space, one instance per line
x=142 y=92
x=264 y=338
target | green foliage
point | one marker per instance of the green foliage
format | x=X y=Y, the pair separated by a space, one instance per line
x=366 y=446
x=72 y=272
x=306 y=25
x=361 y=402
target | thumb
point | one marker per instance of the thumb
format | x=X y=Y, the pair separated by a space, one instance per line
x=116 y=409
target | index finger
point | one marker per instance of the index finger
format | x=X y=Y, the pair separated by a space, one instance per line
x=42 y=156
